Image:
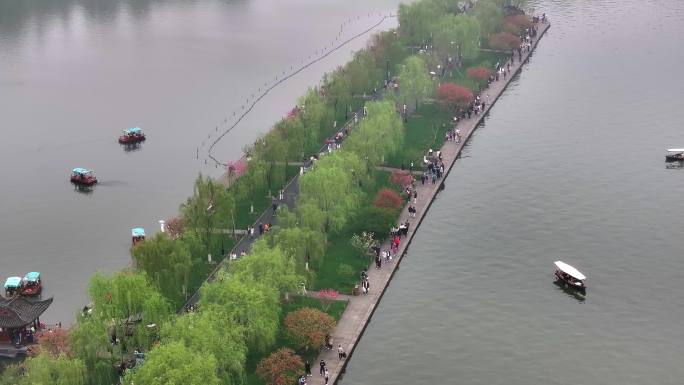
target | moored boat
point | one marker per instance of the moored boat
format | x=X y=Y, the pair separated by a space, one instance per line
x=82 y=176
x=31 y=284
x=12 y=286
x=132 y=135
x=137 y=235
x=674 y=155
x=569 y=275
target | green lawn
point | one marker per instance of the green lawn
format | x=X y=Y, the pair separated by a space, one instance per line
x=340 y=252
x=336 y=309
x=425 y=129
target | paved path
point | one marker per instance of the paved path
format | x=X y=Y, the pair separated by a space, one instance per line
x=360 y=308
x=291 y=191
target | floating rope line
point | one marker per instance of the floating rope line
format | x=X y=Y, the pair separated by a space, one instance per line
x=282 y=80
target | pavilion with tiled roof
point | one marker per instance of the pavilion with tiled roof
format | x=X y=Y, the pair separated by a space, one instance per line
x=19 y=319
x=18 y=311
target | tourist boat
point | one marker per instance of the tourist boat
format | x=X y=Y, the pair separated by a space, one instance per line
x=675 y=155
x=12 y=286
x=82 y=176
x=31 y=284
x=132 y=135
x=569 y=275
x=137 y=235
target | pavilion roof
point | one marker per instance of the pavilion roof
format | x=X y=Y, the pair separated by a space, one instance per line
x=19 y=311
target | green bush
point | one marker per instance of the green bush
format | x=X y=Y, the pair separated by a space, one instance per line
x=374 y=219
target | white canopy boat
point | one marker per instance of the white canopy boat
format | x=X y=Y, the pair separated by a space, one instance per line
x=569 y=275
x=674 y=155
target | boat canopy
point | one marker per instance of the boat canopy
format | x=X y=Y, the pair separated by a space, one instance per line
x=134 y=130
x=33 y=276
x=675 y=150
x=138 y=232
x=82 y=171
x=12 y=282
x=571 y=271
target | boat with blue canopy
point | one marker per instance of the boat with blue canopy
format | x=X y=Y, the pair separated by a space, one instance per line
x=132 y=135
x=12 y=285
x=83 y=176
x=31 y=284
x=137 y=235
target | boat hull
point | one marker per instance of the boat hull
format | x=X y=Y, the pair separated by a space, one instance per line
x=131 y=139
x=83 y=181
x=569 y=284
x=31 y=291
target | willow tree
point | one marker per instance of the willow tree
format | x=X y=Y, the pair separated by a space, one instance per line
x=90 y=341
x=254 y=306
x=489 y=14
x=174 y=363
x=332 y=189
x=416 y=21
x=267 y=265
x=414 y=79
x=379 y=135
x=198 y=210
x=349 y=160
x=130 y=302
x=209 y=332
x=270 y=150
x=338 y=92
x=310 y=216
x=317 y=118
x=364 y=72
x=459 y=34
x=305 y=245
x=295 y=135
x=166 y=262
x=46 y=370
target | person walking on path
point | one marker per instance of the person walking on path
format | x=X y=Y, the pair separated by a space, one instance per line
x=415 y=197
x=261 y=228
x=307 y=368
x=327 y=376
x=322 y=364
x=340 y=352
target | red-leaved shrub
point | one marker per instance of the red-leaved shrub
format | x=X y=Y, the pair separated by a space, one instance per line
x=388 y=199
x=479 y=73
x=453 y=95
x=504 y=41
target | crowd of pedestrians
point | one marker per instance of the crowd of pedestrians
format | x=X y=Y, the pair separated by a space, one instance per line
x=433 y=171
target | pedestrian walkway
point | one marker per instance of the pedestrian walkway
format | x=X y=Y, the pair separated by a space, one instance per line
x=360 y=308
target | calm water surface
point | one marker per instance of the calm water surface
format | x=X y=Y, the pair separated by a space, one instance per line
x=568 y=166
x=74 y=73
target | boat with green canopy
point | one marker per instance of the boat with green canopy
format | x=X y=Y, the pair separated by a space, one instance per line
x=31 y=284
x=12 y=286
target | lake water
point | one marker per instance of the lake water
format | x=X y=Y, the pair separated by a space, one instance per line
x=569 y=165
x=74 y=73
